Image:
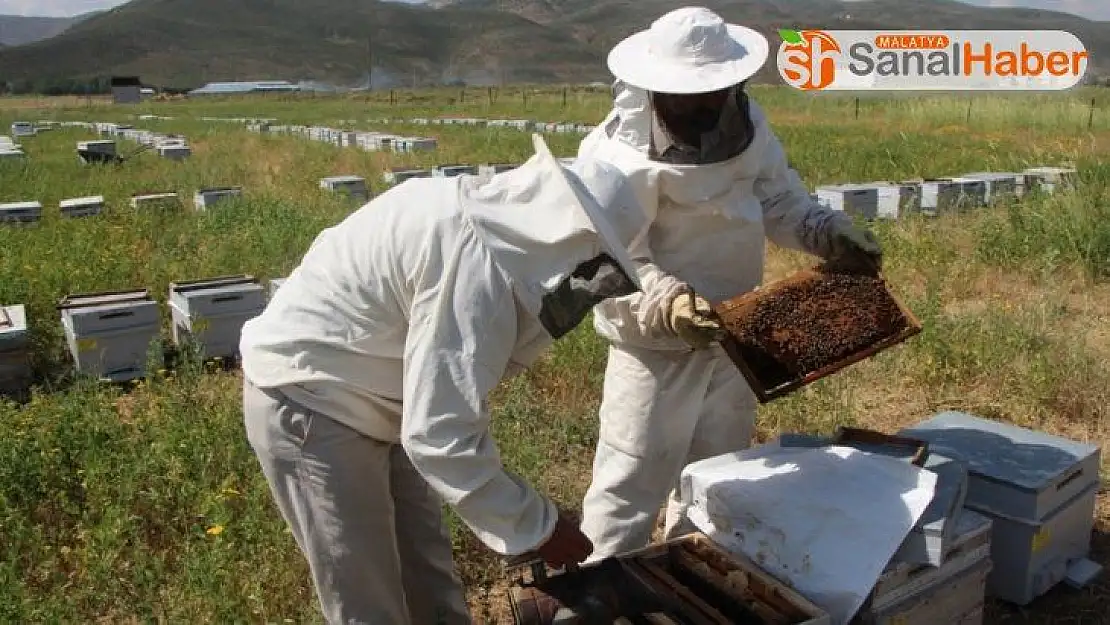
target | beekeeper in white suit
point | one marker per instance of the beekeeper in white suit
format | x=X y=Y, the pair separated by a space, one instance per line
x=714 y=182
x=366 y=376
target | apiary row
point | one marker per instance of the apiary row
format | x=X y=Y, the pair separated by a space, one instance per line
x=110 y=334
x=934 y=196
x=30 y=212
x=363 y=140
x=104 y=149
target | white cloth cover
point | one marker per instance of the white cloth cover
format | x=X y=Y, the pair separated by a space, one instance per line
x=401 y=319
x=707 y=227
x=825 y=520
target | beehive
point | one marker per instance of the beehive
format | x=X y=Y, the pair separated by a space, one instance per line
x=12 y=154
x=972 y=192
x=206 y=198
x=952 y=593
x=688 y=579
x=167 y=199
x=175 y=152
x=82 y=206
x=106 y=147
x=211 y=312
x=1000 y=186
x=1039 y=491
x=397 y=176
x=939 y=196
x=896 y=199
x=450 y=171
x=20 y=212
x=23 y=129
x=413 y=144
x=15 y=365
x=853 y=199
x=111 y=333
x=931 y=536
x=1051 y=179
x=353 y=187
x=795 y=331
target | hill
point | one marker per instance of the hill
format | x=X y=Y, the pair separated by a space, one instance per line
x=174 y=43
x=16 y=30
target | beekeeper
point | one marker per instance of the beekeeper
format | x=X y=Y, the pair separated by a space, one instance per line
x=366 y=377
x=715 y=183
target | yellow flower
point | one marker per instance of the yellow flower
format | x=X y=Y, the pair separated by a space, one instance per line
x=215 y=530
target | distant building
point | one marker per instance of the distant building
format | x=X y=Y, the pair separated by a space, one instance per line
x=126 y=89
x=239 y=88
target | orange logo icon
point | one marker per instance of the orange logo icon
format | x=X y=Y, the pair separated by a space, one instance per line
x=807 y=58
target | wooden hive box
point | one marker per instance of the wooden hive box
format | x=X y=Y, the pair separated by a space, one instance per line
x=795 y=331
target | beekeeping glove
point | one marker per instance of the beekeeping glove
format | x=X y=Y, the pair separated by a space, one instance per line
x=854 y=249
x=691 y=318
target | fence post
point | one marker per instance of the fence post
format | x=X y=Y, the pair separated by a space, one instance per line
x=462 y=95
x=392 y=98
x=968 y=119
x=564 y=97
x=1091 y=115
x=857 y=107
x=524 y=98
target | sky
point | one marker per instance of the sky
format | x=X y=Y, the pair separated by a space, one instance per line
x=1091 y=9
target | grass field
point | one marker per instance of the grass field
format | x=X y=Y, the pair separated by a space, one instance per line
x=145 y=503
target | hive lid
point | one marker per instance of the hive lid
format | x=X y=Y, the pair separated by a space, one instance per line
x=81 y=201
x=12 y=318
x=185 y=286
x=1001 y=452
x=101 y=298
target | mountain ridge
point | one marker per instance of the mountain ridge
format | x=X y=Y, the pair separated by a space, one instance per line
x=472 y=41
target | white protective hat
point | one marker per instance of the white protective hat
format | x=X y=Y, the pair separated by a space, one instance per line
x=607 y=200
x=689 y=50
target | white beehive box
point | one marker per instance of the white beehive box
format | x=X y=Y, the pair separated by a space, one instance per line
x=854 y=199
x=520 y=124
x=896 y=199
x=275 y=284
x=932 y=535
x=110 y=334
x=1000 y=186
x=1052 y=179
x=1039 y=490
x=23 y=129
x=973 y=192
x=6 y=140
x=20 y=212
x=12 y=154
x=175 y=152
x=211 y=196
x=952 y=593
x=169 y=199
x=100 y=146
x=414 y=144
x=82 y=206
x=212 y=312
x=397 y=176
x=15 y=364
x=450 y=171
x=352 y=186
x=938 y=196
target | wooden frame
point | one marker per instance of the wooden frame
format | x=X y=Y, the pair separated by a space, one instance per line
x=765 y=393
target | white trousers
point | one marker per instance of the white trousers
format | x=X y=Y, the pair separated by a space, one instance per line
x=660 y=411
x=368 y=524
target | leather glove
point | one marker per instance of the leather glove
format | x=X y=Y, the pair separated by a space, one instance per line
x=854 y=250
x=691 y=318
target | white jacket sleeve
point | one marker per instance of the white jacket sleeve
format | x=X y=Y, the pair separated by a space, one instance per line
x=652 y=306
x=462 y=331
x=791 y=218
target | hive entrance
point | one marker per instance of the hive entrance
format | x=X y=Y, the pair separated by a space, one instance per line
x=809 y=325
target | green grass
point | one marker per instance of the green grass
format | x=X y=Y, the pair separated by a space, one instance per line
x=145 y=503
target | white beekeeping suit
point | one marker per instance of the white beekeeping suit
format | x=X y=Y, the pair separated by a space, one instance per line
x=367 y=375
x=671 y=394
